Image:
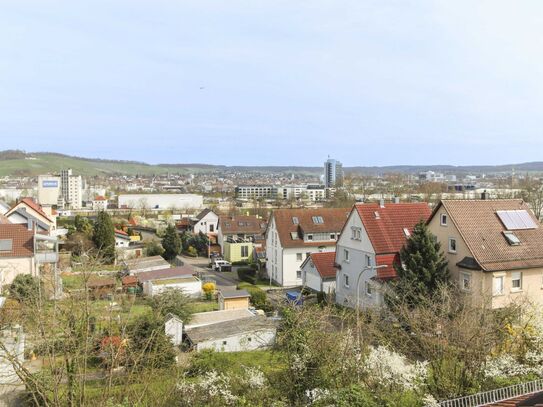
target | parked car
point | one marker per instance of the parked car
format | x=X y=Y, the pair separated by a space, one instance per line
x=221 y=265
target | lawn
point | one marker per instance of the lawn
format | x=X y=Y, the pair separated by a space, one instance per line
x=204 y=306
x=237 y=362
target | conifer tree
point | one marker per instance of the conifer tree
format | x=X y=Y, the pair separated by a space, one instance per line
x=423 y=267
x=104 y=237
x=171 y=243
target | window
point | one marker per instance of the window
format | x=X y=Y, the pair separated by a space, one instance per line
x=368 y=260
x=224 y=342
x=443 y=219
x=345 y=254
x=511 y=238
x=298 y=273
x=516 y=281
x=346 y=280
x=465 y=281
x=211 y=228
x=6 y=245
x=309 y=237
x=356 y=233
x=298 y=256
x=368 y=288
x=498 y=285
x=452 y=245
x=244 y=251
x=318 y=219
x=332 y=236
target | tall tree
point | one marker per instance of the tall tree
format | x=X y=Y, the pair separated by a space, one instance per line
x=171 y=243
x=104 y=237
x=423 y=267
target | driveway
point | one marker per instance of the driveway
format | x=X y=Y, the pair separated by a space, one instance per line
x=228 y=279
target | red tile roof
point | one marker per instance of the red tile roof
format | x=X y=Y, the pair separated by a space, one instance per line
x=121 y=232
x=100 y=198
x=482 y=231
x=130 y=280
x=32 y=205
x=22 y=240
x=324 y=263
x=388 y=260
x=385 y=225
x=333 y=221
x=242 y=224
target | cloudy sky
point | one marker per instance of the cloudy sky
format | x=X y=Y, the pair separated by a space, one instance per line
x=274 y=82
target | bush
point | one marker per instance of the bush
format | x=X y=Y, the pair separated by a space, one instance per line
x=259 y=297
x=246 y=274
x=240 y=263
x=25 y=288
x=191 y=251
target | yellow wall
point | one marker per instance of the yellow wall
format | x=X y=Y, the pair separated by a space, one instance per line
x=234 y=303
x=232 y=252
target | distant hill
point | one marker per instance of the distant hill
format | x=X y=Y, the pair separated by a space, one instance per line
x=16 y=162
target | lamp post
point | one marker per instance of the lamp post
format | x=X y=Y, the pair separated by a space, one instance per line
x=358 y=298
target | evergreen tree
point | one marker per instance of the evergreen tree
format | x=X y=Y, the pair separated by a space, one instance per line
x=171 y=243
x=104 y=237
x=423 y=267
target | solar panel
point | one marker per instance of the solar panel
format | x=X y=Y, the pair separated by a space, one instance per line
x=516 y=220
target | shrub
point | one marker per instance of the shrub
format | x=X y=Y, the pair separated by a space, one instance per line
x=191 y=251
x=25 y=288
x=247 y=274
x=259 y=297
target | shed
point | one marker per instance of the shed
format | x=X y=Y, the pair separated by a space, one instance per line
x=101 y=287
x=234 y=336
x=174 y=329
x=233 y=299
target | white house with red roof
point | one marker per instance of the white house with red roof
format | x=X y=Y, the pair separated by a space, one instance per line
x=369 y=246
x=99 y=203
x=28 y=209
x=319 y=272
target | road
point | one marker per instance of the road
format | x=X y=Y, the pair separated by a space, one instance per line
x=222 y=279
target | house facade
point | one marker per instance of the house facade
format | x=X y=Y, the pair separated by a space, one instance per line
x=319 y=272
x=206 y=222
x=238 y=236
x=494 y=249
x=29 y=207
x=369 y=247
x=293 y=234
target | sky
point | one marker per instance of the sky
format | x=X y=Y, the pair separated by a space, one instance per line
x=274 y=82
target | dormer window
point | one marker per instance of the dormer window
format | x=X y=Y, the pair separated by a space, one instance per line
x=406 y=232
x=295 y=220
x=511 y=238
x=377 y=216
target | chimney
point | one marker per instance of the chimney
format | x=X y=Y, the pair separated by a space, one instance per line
x=382 y=202
x=484 y=195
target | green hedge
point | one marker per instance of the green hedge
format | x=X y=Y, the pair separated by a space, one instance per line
x=247 y=274
x=259 y=298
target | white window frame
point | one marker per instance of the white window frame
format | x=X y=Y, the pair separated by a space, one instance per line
x=442 y=217
x=452 y=239
x=299 y=256
x=516 y=275
x=346 y=280
x=368 y=289
x=298 y=274
x=494 y=279
x=346 y=255
x=310 y=237
x=368 y=260
x=463 y=276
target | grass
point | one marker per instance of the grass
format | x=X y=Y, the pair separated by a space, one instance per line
x=72 y=281
x=204 y=306
x=237 y=362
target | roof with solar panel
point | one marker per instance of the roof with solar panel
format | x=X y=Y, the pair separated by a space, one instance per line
x=501 y=234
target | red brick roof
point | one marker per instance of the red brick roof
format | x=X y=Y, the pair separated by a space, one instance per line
x=324 y=263
x=100 y=198
x=385 y=225
x=22 y=238
x=333 y=221
x=130 y=280
x=121 y=232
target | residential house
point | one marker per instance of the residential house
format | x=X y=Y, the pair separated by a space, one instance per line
x=28 y=206
x=234 y=336
x=122 y=240
x=369 y=248
x=206 y=222
x=319 y=273
x=99 y=203
x=293 y=234
x=239 y=235
x=233 y=299
x=24 y=251
x=494 y=249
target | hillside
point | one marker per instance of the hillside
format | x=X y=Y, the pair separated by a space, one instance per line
x=15 y=162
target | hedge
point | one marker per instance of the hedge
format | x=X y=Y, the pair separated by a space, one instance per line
x=246 y=274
